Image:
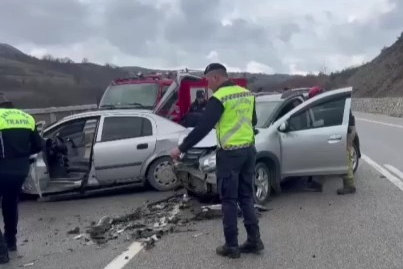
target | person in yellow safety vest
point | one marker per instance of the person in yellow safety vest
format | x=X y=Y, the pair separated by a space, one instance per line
x=19 y=139
x=231 y=110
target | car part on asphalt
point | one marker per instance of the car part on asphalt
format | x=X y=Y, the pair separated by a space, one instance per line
x=150 y=221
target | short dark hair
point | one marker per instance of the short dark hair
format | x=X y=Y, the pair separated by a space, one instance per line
x=215 y=67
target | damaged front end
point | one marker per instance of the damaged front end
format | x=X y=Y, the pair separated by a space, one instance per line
x=196 y=167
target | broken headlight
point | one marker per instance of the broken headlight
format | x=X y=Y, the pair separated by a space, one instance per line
x=208 y=162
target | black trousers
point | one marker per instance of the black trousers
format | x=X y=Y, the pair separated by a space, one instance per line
x=11 y=181
x=235 y=180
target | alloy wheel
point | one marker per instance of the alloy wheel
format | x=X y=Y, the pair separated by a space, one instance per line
x=262 y=184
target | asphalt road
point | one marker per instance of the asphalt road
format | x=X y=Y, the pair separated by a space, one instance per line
x=303 y=230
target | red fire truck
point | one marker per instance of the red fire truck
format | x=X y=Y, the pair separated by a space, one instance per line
x=168 y=95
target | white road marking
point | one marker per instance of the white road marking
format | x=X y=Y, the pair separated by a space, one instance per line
x=394 y=170
x=380 y=122
x=120 y=261
x=396 y=181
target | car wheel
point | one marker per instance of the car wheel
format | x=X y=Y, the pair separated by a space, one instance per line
x=355 y=158
x=161 y=175
x=262 y=183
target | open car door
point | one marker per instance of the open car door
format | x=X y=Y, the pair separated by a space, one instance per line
x=38 y=177
x=313 y=136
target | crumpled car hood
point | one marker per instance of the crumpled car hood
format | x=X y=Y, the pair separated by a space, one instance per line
x=210 y=140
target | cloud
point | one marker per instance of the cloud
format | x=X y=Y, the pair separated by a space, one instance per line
x=255 y=35
x=48 y=23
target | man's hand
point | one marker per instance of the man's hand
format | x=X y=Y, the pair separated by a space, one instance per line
x=175 y=153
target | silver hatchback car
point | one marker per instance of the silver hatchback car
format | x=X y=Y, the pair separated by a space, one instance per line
x=103 y=149
x=295 y=138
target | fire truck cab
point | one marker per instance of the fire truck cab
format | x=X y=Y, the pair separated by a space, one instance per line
x=182 y=92
x=169 y=96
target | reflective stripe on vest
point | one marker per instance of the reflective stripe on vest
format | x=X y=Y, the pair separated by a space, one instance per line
x=15 y=119
x=234 y=129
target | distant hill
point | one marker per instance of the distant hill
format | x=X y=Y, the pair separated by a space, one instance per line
x=32 y=82
x=383 y=76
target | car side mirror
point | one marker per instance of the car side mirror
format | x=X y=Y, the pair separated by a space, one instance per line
x=283 y=127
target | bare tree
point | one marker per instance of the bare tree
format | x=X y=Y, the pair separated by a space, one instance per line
x=48 y=57
x=66 y=60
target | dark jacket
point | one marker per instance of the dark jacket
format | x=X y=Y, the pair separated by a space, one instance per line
x=351 y=121
x=197 y=107
x=16 y=145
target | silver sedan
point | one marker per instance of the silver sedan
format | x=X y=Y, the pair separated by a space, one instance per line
x=104 y=149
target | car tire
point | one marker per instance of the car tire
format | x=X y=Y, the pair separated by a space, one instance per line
x=262 y=183
x=161 y=176
x=356 y=159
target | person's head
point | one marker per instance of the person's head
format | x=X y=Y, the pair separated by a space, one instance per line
x=200 y=96
x=314 y=91
x=4 y=102
x=216 y=74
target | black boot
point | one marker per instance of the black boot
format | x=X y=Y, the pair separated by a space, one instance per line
x=11 y=243
x=253 y=244
x=4 y=258
x=252 y=247
x=230 y=252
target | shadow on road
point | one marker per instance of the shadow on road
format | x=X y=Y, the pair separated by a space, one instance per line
x=301 y=184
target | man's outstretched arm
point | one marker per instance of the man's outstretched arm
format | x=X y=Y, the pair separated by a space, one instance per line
x=211 y=116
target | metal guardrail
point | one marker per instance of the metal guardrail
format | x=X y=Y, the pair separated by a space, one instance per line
x=49 y=115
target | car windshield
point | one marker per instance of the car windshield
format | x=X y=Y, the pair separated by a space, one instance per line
x=264 y=109
x=142 y=95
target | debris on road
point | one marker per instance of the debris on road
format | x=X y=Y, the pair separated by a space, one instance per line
x=76 y=230
x=79 y=236
x=28 y=264
x=197 y=235
x=150 y=221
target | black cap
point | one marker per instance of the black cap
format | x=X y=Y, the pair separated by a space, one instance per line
x=214 y=66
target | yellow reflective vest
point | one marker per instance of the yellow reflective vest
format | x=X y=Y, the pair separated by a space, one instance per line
x=15 y=119
x=234 y=129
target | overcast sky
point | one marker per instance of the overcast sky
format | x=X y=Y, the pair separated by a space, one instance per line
x=282 y=36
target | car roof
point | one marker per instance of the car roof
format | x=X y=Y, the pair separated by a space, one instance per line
x=269 y=97
x=110 y=112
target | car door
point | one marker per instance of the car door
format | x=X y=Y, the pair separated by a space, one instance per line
x=78 y=135
x=315 y=139
x=125 y=143
x=40 y=174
